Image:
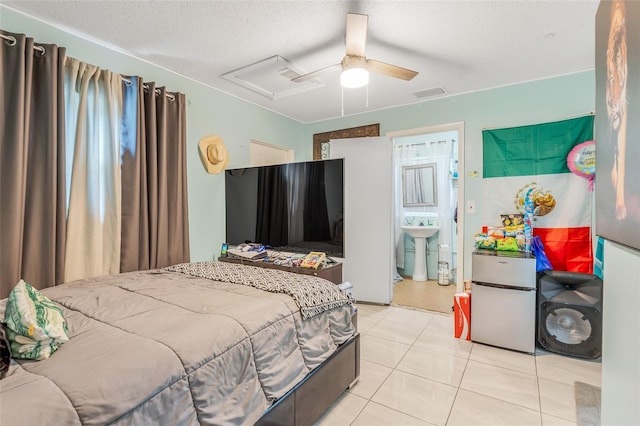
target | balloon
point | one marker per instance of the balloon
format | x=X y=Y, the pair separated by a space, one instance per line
x=582 y=161
x=528 y=219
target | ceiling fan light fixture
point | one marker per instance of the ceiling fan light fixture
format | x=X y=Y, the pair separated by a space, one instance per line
x=353 y=78
x=354 y=72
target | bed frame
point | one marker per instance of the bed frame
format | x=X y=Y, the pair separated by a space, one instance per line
x=310 y=398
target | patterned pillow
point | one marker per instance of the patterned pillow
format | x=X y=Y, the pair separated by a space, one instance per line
x=35 y=325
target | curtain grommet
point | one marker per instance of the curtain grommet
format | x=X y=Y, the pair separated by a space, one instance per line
x=10 y=40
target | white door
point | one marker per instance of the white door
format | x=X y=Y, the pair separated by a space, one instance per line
x=368 y=216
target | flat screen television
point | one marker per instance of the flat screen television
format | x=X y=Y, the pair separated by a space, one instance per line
x=293 y=207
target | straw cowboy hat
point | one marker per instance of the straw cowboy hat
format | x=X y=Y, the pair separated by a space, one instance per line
x=213 y=154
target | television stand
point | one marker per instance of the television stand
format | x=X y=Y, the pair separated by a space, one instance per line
x=331 y=272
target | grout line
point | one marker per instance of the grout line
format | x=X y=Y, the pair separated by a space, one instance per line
x=539 y=396
x=535 y=359
x=361 y=410
x=458 y=389
x=509 y=402
x=397 y=411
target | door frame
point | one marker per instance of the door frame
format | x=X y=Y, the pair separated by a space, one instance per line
x=459 y=127
x=288 y=152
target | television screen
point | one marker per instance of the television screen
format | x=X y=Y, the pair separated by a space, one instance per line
x=293 y=207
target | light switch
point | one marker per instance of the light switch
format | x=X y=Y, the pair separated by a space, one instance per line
x=471 y=206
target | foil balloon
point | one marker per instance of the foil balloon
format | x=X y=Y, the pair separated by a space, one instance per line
x=528 y=219
x=582 y=161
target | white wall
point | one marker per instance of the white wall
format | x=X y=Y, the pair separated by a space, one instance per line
x=621 y=336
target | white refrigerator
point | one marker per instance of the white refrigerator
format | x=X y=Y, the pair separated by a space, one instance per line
x=503 y=299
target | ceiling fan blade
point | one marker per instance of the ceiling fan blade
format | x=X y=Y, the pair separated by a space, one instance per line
x=316 y=73
x=356 y=34
x=390 y=70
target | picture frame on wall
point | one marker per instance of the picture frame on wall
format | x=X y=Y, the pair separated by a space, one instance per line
x=321 y=140
x=617 y=128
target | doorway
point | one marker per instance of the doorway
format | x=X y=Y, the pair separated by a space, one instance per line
x=441 y=148
x=265 y=154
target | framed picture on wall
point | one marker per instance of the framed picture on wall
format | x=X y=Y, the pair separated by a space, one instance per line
x=321 y=140
x=617 y=126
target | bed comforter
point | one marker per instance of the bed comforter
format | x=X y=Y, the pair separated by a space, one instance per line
x=164 y=348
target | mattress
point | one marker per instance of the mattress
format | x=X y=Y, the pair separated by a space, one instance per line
x=166 y=348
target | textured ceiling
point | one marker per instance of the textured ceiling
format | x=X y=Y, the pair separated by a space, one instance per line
x=459 y=46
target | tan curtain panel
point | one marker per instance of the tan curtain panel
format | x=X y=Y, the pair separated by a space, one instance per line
x=93 y=100
x=155 y=222
x=32 y=163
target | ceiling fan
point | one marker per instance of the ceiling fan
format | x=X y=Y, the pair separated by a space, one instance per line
x=355 y=66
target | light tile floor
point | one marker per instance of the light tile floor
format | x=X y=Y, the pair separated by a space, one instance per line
x=414 y=372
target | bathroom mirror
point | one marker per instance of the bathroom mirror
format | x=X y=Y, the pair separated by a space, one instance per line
x=419 y=187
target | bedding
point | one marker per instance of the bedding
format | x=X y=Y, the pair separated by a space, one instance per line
x=163 y=347
x=312 y=294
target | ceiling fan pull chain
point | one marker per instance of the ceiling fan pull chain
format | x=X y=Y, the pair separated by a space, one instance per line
x=367 y=104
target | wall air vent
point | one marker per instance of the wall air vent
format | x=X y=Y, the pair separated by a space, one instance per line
x=271 y=78
x=429 y=92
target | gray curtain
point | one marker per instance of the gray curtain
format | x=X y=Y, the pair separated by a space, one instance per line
x=155 y=222
x=32 y=163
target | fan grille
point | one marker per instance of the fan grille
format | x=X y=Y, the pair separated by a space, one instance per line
x=568 y=326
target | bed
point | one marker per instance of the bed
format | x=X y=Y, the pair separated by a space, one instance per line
x=199 y=343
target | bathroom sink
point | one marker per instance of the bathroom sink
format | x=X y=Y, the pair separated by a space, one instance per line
x=420 y=231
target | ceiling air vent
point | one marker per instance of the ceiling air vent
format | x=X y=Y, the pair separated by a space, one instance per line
x=429 y=92
x=270 y=78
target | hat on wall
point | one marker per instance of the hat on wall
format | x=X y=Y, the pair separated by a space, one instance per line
x=213 y=154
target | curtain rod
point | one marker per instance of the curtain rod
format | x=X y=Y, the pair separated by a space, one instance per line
x=11 y=41
x=127 y=81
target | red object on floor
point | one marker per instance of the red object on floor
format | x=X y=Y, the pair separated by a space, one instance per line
x=462 y=315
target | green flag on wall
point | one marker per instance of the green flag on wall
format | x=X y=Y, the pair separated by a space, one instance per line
x=533 y=150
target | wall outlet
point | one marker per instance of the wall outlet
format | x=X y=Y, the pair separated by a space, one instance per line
x=471 y=206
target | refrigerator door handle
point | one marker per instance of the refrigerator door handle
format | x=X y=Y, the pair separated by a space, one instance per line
x=505 y=287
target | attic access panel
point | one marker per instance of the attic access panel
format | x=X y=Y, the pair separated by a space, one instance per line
x=271 y=78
